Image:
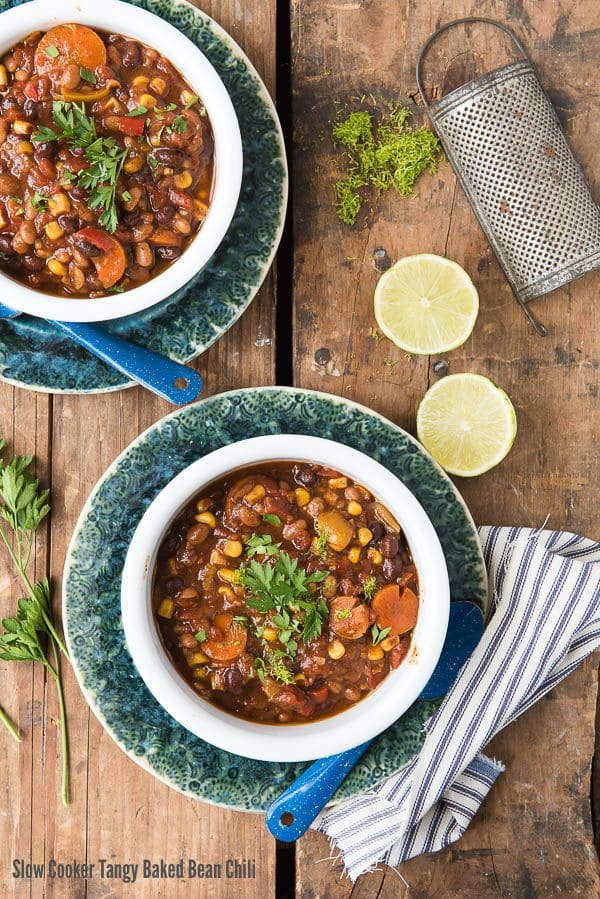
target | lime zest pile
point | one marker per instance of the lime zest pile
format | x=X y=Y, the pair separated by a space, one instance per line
x=388 y=155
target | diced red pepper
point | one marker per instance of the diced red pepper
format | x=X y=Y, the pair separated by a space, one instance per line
x=134 y=126
x=31 y=91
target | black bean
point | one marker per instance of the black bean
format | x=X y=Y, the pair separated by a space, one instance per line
x=6 y=247
x=130 y=55
x=389 y=546
x=169 y=253
x=392 y=568
x=173 y=158
x=33 y=263
x=169 y=546
x=78 y=193
x=174 y=585
x=68 y=223
x=86 y=248
x=234 y=681
x=305 y=476
x=376 y=529
x=164 y=214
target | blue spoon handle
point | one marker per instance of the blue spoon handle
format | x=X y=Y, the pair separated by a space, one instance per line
x=290 y=816
x=172 y=381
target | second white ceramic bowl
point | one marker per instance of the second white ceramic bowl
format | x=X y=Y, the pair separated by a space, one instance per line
x=112 y=15
x=298 y=742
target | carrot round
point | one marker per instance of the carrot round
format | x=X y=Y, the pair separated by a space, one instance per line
x=347 y=618
x=395 y=609
x=229 y=648
x=75 y=44
x=110 y=266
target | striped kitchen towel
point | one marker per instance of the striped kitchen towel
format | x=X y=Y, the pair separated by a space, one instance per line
x=545 y=586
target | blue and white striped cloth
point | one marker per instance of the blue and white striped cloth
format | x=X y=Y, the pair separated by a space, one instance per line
x=546 y=589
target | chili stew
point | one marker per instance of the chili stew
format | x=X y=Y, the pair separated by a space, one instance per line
x=106 y=162
x=285 y=593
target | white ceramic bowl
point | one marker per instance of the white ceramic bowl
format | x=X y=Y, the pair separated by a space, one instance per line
x=112 y=15
x=298 y=742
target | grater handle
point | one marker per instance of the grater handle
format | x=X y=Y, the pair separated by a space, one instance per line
x=469 y=20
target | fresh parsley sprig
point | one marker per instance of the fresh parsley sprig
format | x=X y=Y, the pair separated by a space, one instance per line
x=30 y=635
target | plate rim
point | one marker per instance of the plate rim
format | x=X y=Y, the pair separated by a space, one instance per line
x=110 y=471
x=267 y=99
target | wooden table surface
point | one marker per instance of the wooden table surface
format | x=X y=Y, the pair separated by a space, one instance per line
x=534 y=836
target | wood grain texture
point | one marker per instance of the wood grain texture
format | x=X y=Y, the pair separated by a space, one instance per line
x=118 y=811
x=534 y=837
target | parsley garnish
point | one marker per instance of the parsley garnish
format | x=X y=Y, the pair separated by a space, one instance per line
x=104 y=155
x=343 y=614
x=126 y=196
x=370 y=587
x=274 y=666
x=321 y=547
x=200 y=636
x=179 y=124
x=51 y=51
x=139 y=110
x=193 y=99
x=261 y=545
x=379 y=635
x=272 y=519
x=170 y=107
x=86 y=75
x=39 y=201
x=116 y=288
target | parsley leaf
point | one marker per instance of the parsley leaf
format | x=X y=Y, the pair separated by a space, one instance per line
x=200 y=636
x=51 y=51
x=86 y=75
x=179 y=124
x=139 y=110
x=271 y=519
x=261 y=545
x=379 y=635
x=193 y=99
x=39 y=201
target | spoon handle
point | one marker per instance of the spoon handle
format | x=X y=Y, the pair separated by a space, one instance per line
x=290 y=816
x=172 y=381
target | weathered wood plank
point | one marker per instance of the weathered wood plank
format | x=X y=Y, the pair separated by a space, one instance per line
x=341 y=51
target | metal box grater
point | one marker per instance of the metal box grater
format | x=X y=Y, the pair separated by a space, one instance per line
x=505 y=143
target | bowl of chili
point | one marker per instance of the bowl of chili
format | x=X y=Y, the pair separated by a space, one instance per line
x=285 y=598
x=120 y=159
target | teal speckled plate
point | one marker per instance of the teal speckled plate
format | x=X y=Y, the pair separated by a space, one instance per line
x=92 y=582
x=35 y=355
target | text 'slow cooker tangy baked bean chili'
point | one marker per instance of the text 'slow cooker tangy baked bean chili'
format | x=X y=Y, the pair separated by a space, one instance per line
x=106 y=162
x=285 y=593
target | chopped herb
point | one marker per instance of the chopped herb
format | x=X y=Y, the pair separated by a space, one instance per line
x=170 y=107
x=179 y=124
x=139 y=110
x=261 y=545
x=20 y=210
x=116 y=288
x=260 y=668
x=51 y=51
x=379 y=635
x=370 y=587
x=321 y=546
x=126 y=196
x=241 y=619
x=200 y=637
x=86 y=75
x=274 y=666
x=153 y=162
x=392 y=155
x=272 y=519
x=193 y=99
x=39 y=201
x=343 y=614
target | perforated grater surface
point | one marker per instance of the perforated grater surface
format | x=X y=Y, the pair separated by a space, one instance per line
x=511 y=157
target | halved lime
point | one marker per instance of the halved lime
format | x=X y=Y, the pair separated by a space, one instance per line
x=426 y=304
x=466 y=423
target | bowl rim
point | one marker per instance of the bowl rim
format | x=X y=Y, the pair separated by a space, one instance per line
x=298 y=742
x=197 y=70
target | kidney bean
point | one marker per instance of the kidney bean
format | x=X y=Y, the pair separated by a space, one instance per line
x=376 y=529
x=131 y=55
x=392 y=568
x=164 y=214
x=85 y=247
x=68 y=223
x=78 y=193
x=47 y=169
x=6 y=243
x=234 y=681
x=33 y=263
x=169 y=253
x=173 y=158
x=389 y=546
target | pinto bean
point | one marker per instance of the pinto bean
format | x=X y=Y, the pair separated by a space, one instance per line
x=9 y=185
x=144 y=254
x=70 y=77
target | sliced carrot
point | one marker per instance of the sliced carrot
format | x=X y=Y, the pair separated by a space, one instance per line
x=75 y=44
x=348 y=618
x=338 y=529
x=396 y=610
x=230 y=647
x=111 y=265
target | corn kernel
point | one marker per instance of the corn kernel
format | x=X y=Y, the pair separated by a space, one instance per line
x=158 y=85
x=3 y=77
x=183 y=180
x=140 y=80
x=201 y=208
x=257 y=493
x=203 y=505
x=227 y=574
x=187 y=96
x=167 y=170
x=206 y=518
x=133 y=164
x=148 y=101
x=364 y=536
x=302 y=496
x=375 y=653
x=354 y=554
x=200 y=673
x=197 y=658
x=226 y=592
x=389 y=643
x=336 y=650
x=22 y=127
x=166 y=608
x=53 y=230
x=24 y=146
x=354 y=508
x=217 y=558
x=338 y=483
x=270 y=634
x=233 y=549
x=59 y=203
x=375 y=556
x=57 y=268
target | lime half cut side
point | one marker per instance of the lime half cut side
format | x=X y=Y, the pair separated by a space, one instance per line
x=466 y=423
x=426 y=304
